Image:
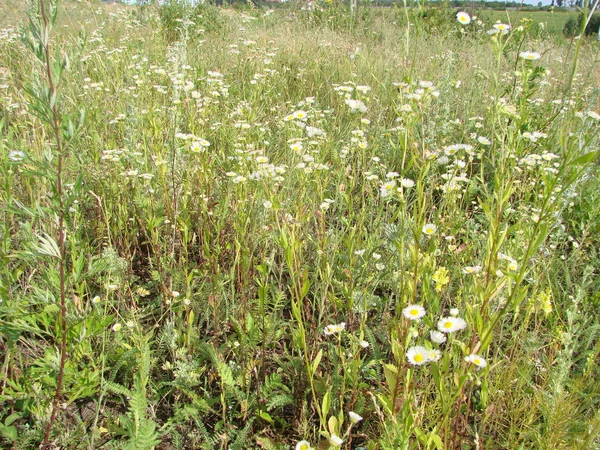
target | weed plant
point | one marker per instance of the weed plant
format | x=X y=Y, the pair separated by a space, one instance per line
x=301 y=228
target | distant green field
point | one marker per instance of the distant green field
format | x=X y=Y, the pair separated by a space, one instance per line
x=553 y=21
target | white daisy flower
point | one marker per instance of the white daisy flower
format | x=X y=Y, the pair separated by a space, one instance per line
x=429 y=229
x=16 y=155
x=335 y=328
x=356 y=105
x=477 y=360
x=530 y=56
x=417 y=356
x=387 y=188
x=463 y=18
x=434 y=355
x=437 y=336
x=451 y=324
x=413 y=312
x=303 y=445
x=300 y=115
x=472 y=269
x=407 y=183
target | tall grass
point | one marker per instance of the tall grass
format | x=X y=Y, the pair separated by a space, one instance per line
x=297 y=228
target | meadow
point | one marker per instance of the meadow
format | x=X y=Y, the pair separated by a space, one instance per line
x=553 y=21
x=307 y=228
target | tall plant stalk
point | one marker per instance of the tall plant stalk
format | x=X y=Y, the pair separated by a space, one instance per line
x=47 y=102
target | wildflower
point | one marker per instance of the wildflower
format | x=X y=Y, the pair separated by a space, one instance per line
x=501 y=27
x=451 y=324
x=454 y=312
x=356 y=105
x=354 y=418
x=380 y=266
x=440 y=276
x=483 y=140
x=407 y=183
x=335 y=440
x=117 y=327
x=546 y=302
x=429 y=229
x=512 y=266
x=296 y=146
x=437 y=337
x=413 y=312
x=267 y=204
x=335 y=328
x=196 y=147
x=364 y=344
x=387 y=188
x=434 y=355
x=300 y=115
x=96 y=300
x=303 y=445
x=16 y=155
x=530 y=56
x=314 y=131
x=417 y=356
x=477 y=360
x=359 y=252
x=376 y=256
x=463 y=18
x=472 y=269
x=142 y=292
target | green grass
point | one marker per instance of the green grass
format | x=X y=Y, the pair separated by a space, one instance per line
x=553 y=22
x=253 y=202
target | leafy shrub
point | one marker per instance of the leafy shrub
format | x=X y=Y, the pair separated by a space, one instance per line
x=570 y=28
x=573 y=26
x=593 y=26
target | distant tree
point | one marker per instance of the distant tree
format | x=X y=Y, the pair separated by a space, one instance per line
x=560 y=3
x=539 y=4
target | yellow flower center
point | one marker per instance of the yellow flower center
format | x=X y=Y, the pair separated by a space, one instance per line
x=418 y=358
x=414 y=312
x=477 y=361
x=448 y=324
